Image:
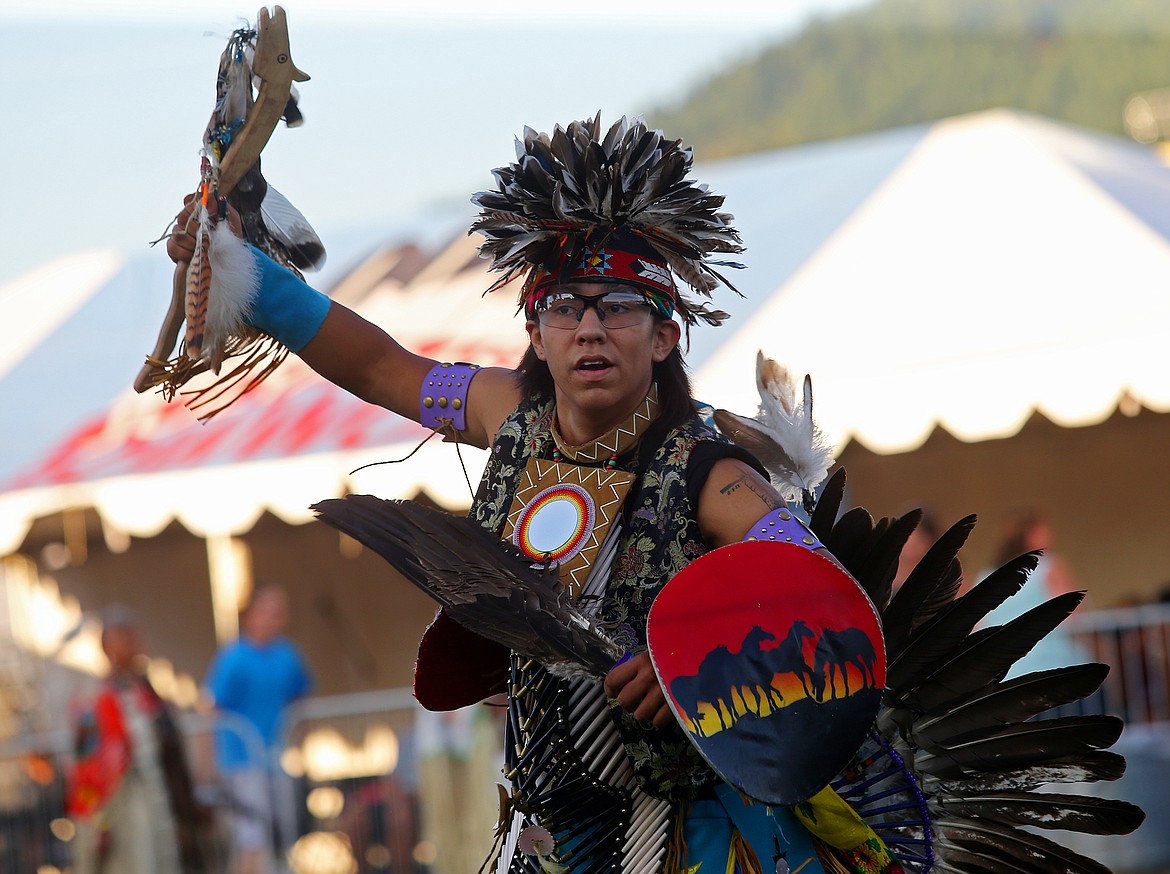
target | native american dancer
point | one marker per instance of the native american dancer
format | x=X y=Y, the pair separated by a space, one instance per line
x=604 y=484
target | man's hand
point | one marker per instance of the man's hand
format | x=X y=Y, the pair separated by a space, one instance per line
x=635 y=686
x=181 y=242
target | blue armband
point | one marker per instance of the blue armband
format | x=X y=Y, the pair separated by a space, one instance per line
x=782 y=526
x=285 y=307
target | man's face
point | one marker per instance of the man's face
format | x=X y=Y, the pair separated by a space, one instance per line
x=122 y=645
x=266 y=617
x=599 y=369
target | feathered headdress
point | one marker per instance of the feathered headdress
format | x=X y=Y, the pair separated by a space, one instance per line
x=582 y=206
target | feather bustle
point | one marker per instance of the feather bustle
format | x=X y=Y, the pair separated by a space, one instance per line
x=1050 y=810
x=824 y=515
x=950 y=628
x=1079 y=767
x=1010 y=844
x=931 y=585
x=1014 y=701
x=987 y=655
x=1023 y=743
x=954 y=731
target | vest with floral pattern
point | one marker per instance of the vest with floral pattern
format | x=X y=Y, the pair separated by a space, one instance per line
x=660 y=536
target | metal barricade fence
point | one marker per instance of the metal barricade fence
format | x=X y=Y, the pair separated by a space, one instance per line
x=214 y=791
x=373 y=783
x=1133 y=641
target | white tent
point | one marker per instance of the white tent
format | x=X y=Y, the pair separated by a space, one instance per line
x=968 y=274
x=1008 y=265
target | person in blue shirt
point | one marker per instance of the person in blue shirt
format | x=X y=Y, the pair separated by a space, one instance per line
x=252 y=681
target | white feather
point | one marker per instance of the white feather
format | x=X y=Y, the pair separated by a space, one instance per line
x=235 y=281
x=783 y=434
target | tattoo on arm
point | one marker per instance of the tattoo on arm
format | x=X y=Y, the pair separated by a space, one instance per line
x=767 y=498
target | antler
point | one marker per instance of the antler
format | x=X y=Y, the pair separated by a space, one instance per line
x=272 y=64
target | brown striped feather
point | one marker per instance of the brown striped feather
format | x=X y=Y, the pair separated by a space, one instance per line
x=198 y=290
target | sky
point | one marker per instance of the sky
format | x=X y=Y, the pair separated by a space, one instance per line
x=408 y=109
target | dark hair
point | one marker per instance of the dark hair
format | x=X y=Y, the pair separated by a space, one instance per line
x=674 y=385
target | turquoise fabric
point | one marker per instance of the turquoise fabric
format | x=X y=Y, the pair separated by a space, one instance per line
x=773 y=833
x=286 y=307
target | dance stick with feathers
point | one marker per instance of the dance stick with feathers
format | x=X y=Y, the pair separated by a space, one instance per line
x=214 y=292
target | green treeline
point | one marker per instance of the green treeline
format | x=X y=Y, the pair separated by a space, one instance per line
x=902 y=62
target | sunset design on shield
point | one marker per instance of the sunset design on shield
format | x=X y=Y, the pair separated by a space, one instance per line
x=773 y=662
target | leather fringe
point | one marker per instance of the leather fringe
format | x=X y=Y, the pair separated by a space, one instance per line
x=677 y=861
x=676 y=852
x=830 y=858
x=746 y=860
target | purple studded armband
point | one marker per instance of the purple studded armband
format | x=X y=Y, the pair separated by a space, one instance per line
x=442 y=401
x=783 y=527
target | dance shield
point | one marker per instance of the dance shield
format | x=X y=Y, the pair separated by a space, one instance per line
x=773 y=662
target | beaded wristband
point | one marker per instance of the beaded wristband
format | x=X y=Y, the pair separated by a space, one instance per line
x=442 y=399
x=783 y=527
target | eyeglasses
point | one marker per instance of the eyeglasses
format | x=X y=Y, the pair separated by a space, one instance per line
x=615 y=309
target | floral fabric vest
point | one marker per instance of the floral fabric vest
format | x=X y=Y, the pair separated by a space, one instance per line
x=660 y=536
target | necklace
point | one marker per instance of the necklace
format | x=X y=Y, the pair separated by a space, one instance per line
x=609 y=446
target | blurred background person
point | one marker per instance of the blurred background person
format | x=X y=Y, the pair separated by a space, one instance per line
x=130 y=791
x=253 y=680
x=920 y=540
x=1025 y=532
